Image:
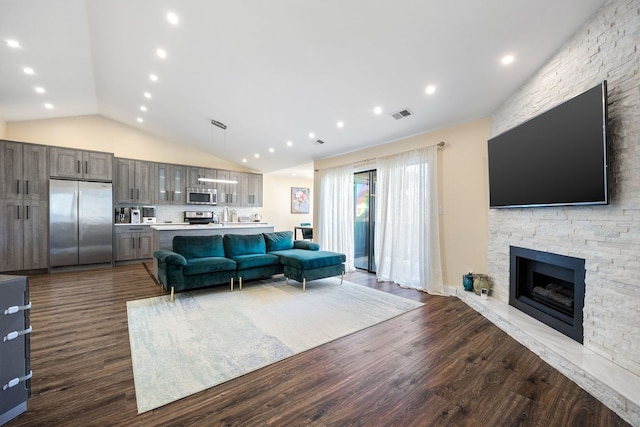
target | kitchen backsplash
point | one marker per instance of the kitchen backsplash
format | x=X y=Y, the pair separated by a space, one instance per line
x=175 y=213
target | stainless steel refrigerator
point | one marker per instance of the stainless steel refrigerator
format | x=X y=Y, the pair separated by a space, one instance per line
x=80 y=223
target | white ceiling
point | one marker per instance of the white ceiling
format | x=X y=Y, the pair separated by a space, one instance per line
x=275 y=70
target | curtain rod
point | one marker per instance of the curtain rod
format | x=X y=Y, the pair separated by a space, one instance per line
x=439 y=144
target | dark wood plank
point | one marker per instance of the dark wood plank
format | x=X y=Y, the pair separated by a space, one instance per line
x=442 y=364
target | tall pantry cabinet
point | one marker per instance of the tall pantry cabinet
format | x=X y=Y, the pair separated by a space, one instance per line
x=24 y=206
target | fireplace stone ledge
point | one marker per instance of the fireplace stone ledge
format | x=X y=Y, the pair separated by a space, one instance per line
x=611 y=384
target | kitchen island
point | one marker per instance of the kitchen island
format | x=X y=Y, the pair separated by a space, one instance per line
x=163 y=234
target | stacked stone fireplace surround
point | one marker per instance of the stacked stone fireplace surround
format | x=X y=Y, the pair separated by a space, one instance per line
x=606 y=237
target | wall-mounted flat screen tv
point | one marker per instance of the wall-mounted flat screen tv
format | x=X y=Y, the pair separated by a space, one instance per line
x=554 y=159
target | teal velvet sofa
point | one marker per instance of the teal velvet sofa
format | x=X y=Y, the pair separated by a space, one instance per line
x=202 y=261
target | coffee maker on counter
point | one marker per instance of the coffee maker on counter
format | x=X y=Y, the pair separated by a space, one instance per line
x=136 y=217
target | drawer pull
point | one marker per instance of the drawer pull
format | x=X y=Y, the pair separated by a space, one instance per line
x=14 y=382
x=15 y=334
x=16 y=308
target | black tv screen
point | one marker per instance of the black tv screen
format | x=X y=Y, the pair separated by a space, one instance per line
x=556 y=158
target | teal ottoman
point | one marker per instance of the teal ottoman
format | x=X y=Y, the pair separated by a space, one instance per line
x=302 y=265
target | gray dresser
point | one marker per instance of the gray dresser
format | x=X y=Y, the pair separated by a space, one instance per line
x=15 y=330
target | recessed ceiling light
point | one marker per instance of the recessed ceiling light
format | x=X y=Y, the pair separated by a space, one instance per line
x=140 y=119
x=431 y=89
x=312 y=135
x=40 y=89
x=289 y=143
x=257 y=156
x=143 y=108
x=506 y=60
x=340 y=124
x=244 y=160
x=147 y=95
x=161 y=53
x=172 y=18
x=28 y=70
x=153 y=77
x=13 y=43
x=271 y=150
x=48 y=106
x=377 y=110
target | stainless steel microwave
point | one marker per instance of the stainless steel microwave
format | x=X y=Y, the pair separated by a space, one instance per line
x=202 y=196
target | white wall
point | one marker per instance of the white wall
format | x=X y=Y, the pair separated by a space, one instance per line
x=607 y=237
x=277 y=202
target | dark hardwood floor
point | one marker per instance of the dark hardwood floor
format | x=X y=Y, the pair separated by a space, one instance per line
x=441 y=364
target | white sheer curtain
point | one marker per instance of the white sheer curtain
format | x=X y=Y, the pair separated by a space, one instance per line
x=335 y=213
x=407 y=242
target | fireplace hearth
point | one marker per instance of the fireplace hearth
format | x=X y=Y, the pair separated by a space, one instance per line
x=548 y=287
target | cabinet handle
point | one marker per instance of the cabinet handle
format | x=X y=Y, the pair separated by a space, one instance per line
x=173 y=194
x=139 y=242
x=167 y=196
x=137 y=194
x=131 y=194
x=133 y=242
x=15 y=334
x=86 y=167
x=27 y=208
x=27 y=186
x=15 y=381
x=17 y=186
x=78 y=168
x=17 y=212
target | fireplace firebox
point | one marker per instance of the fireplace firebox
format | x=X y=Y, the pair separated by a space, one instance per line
x=548 y=287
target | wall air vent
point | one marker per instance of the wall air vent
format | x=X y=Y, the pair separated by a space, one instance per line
x=402 y=114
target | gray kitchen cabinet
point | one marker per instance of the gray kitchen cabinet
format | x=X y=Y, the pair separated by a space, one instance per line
x=23 y=234
x=80 y=164
x=229 y=194
x=15 y=346
x=170 y=184
x=252 y=190
x=24 y=212
x=133 y=243
x=195 y=173
x=135 y=181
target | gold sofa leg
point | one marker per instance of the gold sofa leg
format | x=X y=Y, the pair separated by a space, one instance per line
x=172 y=293
x=304 y=284
x=240 y=282
x=341 y=277
x=232 y=284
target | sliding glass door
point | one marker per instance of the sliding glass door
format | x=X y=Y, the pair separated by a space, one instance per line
x=365 y=210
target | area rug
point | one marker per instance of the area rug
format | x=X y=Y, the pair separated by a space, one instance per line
x=210 y=336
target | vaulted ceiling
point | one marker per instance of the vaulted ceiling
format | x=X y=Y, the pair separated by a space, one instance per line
x=274 y=71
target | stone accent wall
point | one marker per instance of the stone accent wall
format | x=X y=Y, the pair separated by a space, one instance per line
x=607 y=237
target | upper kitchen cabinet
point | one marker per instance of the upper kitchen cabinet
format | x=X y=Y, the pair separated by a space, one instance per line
x=135 y=181
x=252 y=190
x=229 y=192
x=195 y=173
x=24 y=171
x=79 y=164
x=170 y=184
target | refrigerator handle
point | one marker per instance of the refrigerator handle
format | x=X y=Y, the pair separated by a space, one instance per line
x=80 y=229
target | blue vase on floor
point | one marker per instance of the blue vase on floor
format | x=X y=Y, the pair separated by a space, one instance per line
x=467 y=282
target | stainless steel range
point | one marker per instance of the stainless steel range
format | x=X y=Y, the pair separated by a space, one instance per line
x=198 y=217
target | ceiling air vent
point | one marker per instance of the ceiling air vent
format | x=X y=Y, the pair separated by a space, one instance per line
x=402 y=114
x=319 y=142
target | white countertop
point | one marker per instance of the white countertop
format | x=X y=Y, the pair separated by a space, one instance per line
x=185 y=226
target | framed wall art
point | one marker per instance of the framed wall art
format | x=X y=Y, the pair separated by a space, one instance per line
x=299 y=200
